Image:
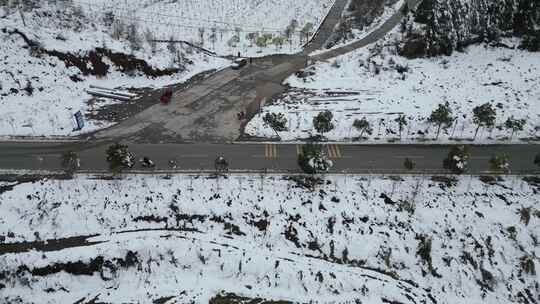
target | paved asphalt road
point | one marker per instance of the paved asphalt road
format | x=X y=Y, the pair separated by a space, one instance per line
x=206 y=112
x=274 y=157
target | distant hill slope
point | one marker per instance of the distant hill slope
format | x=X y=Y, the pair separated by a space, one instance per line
x=450 y=25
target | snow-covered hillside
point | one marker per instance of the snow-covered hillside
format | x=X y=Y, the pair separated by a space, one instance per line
x=396 y=96
x=363 y=239
x=222 y=26
x=377 y=84
x=450 y=25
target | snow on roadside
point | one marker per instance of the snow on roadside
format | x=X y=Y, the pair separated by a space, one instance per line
x=356 y=237
x=506 y=78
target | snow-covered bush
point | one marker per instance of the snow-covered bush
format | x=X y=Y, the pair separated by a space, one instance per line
x=119 y=157
x=314 y=160
x=500 y=163
x=458 y=159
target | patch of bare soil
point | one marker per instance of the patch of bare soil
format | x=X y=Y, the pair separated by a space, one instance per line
x=48 y=245
x=96 y=265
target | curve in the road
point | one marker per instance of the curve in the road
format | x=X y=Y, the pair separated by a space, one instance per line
x=326 y=29
x=373 y=36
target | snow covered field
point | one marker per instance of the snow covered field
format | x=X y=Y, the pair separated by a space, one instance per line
x=185 y=238
x=370 y=85
x=214 y=23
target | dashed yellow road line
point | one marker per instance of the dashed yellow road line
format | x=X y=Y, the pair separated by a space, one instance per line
x=271 y=151
x=334 y=151
x=330 y=149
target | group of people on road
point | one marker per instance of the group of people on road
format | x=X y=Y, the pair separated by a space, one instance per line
x=221 y=164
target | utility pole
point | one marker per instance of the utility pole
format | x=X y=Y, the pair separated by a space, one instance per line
x=263 y=173
x=456 y=122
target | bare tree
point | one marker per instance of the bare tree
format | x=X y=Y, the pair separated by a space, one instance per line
x=402 y=121
x=118 y=29
x=213 y=37
x=133 y=37
x=150 y=39
x=201 y=36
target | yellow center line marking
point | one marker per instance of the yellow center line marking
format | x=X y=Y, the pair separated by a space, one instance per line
x=271 y=151
x=334 y=151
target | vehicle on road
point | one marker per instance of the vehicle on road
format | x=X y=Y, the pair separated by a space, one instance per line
x=166 y=97
x=221 y=164
x=173 y=164
x=239 y=63
x=127 y=160
x=147 y=162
